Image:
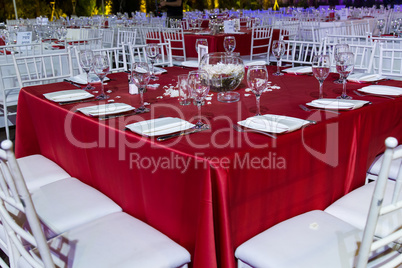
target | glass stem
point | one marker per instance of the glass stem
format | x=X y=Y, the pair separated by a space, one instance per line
x=102 y=88
x=153 y=71
x=277 y=67
x=344 y=88
x=142 y=98
x=257 y=98
x=320 y=94
x=199 y=123
x=88 y=83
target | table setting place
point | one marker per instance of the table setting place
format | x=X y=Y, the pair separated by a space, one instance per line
x=365 y=78
x=70 y=96
x=381 y=90
x=82 y=79
x=299 y=70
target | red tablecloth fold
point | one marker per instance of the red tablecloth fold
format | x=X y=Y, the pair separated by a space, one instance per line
x=213 y=190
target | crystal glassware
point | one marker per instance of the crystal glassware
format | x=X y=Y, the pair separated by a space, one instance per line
x=140 y=74
x=321 y=65
x=338 y=49
x=257 y=79
x=153 y=53
x=380 y=26
x=344 y=66
x=278 y=49
x=202 y=41
x=86 y=61
x=101 y=68
x=198 y=82
x=229 y=43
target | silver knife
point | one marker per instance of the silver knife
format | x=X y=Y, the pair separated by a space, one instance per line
x=182 y=133
x=72 y=83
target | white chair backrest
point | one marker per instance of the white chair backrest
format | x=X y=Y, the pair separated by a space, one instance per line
x=138 y=54
x=261 y=38
x=349 y=39
x=176 y=37
x=107 y=38
x=44 y=68
x=116 y=56
x=86 y=44
x=361 y=27
x=88 y=33
x=16 y=201
x=126 y=36
x=289 y=30
x=300 y=52
x=378 y=208
x=387 y=61
x=152 y=35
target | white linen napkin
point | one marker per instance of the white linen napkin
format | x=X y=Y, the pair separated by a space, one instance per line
x=257 y=62
x=68 y=95
x=105 y=109
x=337 y=104
x=82 y=79
x=382 y=90
x=364 y=77
x=160 y=126
x=299 y=70
x=273 y=123
x=159 y=70
x=190 y=63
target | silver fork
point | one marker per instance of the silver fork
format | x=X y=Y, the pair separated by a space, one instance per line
x=304 y=108
x=374 y=95
x=239 y=129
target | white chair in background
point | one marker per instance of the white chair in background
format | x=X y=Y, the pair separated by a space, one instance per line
x=115 y=240
x=107 y=38
x=374 y=170
x=176 y=38
x=89 y=33
x=300 y=52
x=86 y=44
x=116 y=56
x=387 y=61
x=44 y=68
x=319 y=239
x=261 y=38
x=289 y=30
x=126 y=36
x=360 y=27
x=152 y=35
x=138 y=54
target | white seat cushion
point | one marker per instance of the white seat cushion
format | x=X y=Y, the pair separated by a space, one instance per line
x=68 y=203
x=118 y=240
x=376 y=166
x=354 y=208
x=37 y=170
x=314 y=239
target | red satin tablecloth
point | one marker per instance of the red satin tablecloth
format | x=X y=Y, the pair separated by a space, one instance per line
x=213 y=190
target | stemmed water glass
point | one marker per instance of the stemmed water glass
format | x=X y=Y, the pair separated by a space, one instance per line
x=152 y=54
x=338 y=49
x=86 y=61
x=229 y=43
x=344 y=66
x=321 y=66
x=395 y=26
x=101 y=68
x=257 y=80
x=198 y=82
x=202 y=41
x=380 y=25
x=278 y=49
x=140 y=75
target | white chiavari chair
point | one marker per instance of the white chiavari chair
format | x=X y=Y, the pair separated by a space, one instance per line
x=387 y=61
x=138 y=54
x=89 y=33
x=114 y=240
x=319 y=239
x=43 y=68
x=289 y=30
x=361 y=27
x=126 y=36
x=107 y=38
x=300 y=52
x=152 y=35
x=176 y=37
x=116 y=56
x=261 y=38
x=374 y=170
x=86 y=44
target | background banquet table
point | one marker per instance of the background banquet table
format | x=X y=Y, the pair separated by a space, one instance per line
x=212 y=193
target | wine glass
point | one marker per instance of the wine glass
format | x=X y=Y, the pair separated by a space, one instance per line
x=141 y=74
x=344 y=66
x=101 y=68
x=338 y=49
x=321 y=66
x=152 y=53
x=257 y=79
x=203 y=42
x=395 y=27
x=278 y=49
x=229 y=43
x=380 y=25
x=86 y=60
x=198 y=82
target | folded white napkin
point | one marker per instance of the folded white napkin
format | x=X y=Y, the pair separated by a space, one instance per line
x=257 y=62
x=160 y=126
x=382 y=90
x=159 y=70
x=364 y=77
x=82 y=78
x=190 y=63
x=337 y=104
x=105 y=109
x=273 y=123
x=68 y=95
x=299 y=70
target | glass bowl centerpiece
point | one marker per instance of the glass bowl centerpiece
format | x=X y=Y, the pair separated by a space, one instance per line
x=226 y=71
